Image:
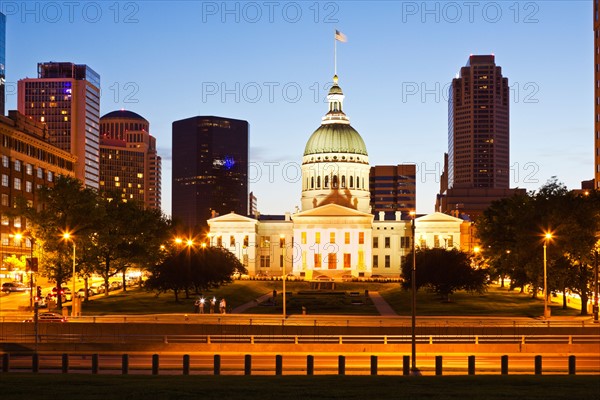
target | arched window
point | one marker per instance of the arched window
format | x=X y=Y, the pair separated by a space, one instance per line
x=335 y=182
x=363 y=183
x=318 y=182
x=343 y=181
x=357 y=182
x=351 y=181
x=312 y=182
x=326 y=182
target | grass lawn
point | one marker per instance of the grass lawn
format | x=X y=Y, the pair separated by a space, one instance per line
x=102 y=387
x=495 y=301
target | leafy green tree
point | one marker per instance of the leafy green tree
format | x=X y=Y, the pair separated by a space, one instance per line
x=444 y=272
x=65 y=207
x=194 y=269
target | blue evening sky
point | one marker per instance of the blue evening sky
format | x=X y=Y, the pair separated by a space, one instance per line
x=270 y=63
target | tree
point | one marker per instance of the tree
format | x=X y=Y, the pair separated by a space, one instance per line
x=445 y=272
x=65 y=207
x=195 y=269
x=516 y=226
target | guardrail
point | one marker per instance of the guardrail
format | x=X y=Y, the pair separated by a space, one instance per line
x=302 y=339
x=218 y=364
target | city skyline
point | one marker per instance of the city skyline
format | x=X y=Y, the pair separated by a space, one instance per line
x=395 y=70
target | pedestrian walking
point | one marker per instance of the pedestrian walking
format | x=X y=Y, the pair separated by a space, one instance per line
x=213 y=303
x=197 y=306
x=222 y=306
x=202 y=302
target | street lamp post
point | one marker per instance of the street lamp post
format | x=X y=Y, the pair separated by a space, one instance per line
x=547 y=237
x=595 y=309
x=282 y=245
x=68 y=236
x=413 y=280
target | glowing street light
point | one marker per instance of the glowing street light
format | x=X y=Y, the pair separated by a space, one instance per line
x=547 y=237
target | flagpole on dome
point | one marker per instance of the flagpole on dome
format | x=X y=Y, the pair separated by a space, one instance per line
x=339 y=36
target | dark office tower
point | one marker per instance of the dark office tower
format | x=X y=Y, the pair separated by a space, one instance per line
x=130 y=166
x=597 y=93
x=66 y=97
x=478 y=126
x=210 y=169
x=393 y=188
x=2 y=63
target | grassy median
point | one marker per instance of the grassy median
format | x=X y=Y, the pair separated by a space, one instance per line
x=102 y=387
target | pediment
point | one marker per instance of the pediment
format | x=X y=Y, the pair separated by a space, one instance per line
x=439 y=217
x=232 y=217
x=331 y=210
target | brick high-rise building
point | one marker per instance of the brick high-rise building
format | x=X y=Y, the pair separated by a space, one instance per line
x=210 y=169
x=477 y=165
x=393 y=188
x=478 y=126
x=66 y=97
x=130 y=166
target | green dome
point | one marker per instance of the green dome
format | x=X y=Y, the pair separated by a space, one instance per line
x=335 y=138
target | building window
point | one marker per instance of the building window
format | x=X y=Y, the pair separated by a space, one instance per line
x=387 y=242
x=28 y=187
x=17 y=222
x=232 y=241
x=376 y=242
x=361 y=238
x=265 y=241
x=5 y=162
x=303 y=258
x=246 y=240
x=387 y=261
x=347 y=259
x=265 y=261
x=303 y=237
x=405 y=242
x=5 y=200
x=375 y=261
x=436 y=241
x=29 y=169
x=317 y=260
x=332 y=261
x=326 y=182
x=331 y=237
x=18 y=165
x=450 y=241
x=219 y=241
x=17 y=185
x=347 y=238
x=318 y=237
x=40 y=173
x=281 y=242
x=4 y=220
x=50 y=176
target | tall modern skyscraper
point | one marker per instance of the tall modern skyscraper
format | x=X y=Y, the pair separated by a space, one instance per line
x=478 y=126
x=210 y=169
x=596 y=94
x=477 y=165
x=66 y=97
x=130 y=166
x=393 y=188
x=2 y=64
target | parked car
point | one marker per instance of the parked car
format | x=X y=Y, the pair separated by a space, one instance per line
x=94 y=289
x=81 y=292
x=9 y=287
x=115 y=285
x=48 y=317
x=65 y=293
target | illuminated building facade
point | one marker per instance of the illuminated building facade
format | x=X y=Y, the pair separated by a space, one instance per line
x=335 y=234
x=130 y=167
x=66 y=97
x=28 y=161
x=210 y=169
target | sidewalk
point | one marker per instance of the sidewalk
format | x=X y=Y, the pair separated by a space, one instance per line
x=381 y=305
x=251 y=304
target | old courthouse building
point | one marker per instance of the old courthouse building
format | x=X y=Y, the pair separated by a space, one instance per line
x=335 y=233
